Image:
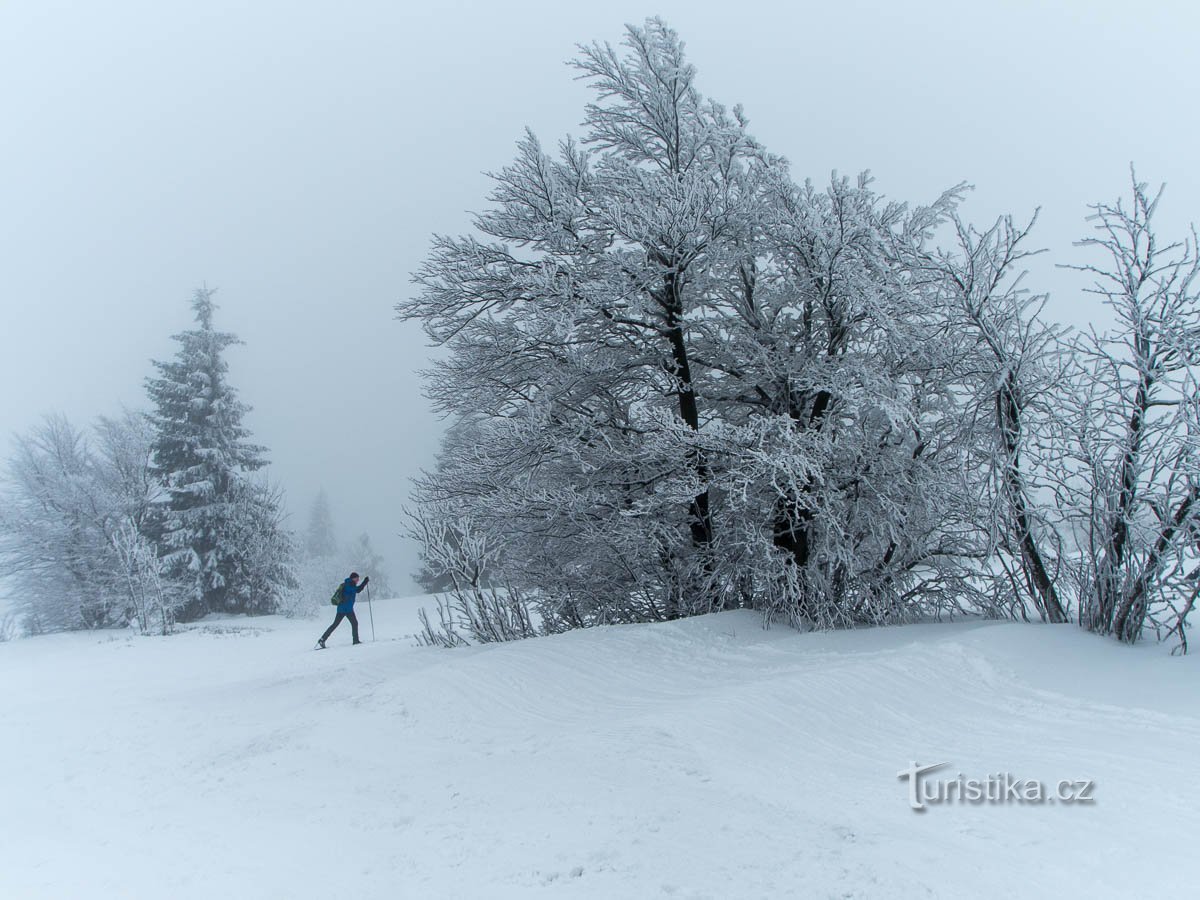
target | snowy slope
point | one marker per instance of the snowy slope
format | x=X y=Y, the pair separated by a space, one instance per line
x=704 y=758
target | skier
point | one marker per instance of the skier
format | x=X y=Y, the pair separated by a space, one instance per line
x=345 y=609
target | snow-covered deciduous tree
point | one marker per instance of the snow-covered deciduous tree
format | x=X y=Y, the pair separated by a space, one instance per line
x=573 y=318
x=837 y=400
x=471 y=609
x=683 y=383
x=54 y=537
x=1135 y=472
x=678 y=381
x=1012 y=370
x=153 y=597
x=218 y=527
x=71 y=511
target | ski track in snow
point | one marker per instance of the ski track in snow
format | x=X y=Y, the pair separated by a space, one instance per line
x=706 y=758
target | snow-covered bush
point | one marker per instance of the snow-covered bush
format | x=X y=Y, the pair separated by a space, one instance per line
x=472 y=608
x=154 y=599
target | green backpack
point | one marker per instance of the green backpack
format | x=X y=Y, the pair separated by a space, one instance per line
x=337 y=596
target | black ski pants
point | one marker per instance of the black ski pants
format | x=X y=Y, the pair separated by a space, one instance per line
x=337 y=620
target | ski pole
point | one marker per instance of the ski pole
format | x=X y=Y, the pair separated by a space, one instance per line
x=371 y=612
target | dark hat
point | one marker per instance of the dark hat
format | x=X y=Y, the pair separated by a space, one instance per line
x=353 y=574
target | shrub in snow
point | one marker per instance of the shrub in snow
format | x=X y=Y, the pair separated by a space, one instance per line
x=472 y=608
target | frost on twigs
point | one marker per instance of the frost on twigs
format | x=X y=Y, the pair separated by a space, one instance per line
x=472 y=610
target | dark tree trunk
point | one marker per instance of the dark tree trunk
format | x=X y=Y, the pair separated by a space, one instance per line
x=1108 y=587
x=792 y=528
x=1037 y=578
x=679 y=366
x=1132 y=612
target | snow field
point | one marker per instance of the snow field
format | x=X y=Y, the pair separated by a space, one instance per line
x=705 y=758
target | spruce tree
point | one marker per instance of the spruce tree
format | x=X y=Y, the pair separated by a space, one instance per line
x=203 y=455
x=320 y=539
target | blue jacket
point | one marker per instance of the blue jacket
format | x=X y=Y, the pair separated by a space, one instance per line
x=349 y=592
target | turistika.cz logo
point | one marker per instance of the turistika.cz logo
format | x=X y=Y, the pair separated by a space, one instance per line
x=1000 y=788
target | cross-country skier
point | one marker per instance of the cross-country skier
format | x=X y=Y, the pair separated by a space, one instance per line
x=345 y=609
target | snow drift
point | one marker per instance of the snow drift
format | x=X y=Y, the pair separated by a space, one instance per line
x=704 y=758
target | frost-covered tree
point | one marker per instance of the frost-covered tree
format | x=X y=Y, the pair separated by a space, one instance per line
x=140 y=572
x=837 y=395
x=1012 y=371
x=75 y=521
x=218 y=527
x=53 y=531
x=571 y=324
x=681 y=382
x=1134 y=479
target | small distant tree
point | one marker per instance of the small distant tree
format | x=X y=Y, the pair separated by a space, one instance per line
x=324 y=562
x=362 y=556
x=320 y=538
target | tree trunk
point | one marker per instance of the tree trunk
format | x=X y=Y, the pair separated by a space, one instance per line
x=1132 y=612
x=1108 y=586
x=679 y=366
x=1037 y=579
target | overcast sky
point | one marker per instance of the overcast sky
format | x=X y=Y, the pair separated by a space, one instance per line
x=298 y=155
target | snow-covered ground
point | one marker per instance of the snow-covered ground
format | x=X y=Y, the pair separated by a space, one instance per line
x=704 y=758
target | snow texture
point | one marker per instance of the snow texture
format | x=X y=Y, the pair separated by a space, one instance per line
x=703 y=758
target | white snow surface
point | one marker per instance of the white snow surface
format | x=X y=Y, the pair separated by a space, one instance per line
x=704 y=758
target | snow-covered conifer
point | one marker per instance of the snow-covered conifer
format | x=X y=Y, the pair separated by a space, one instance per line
x=217 y=527
x=320 y=539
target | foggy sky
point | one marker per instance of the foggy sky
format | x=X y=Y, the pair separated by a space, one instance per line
x=298 y=155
